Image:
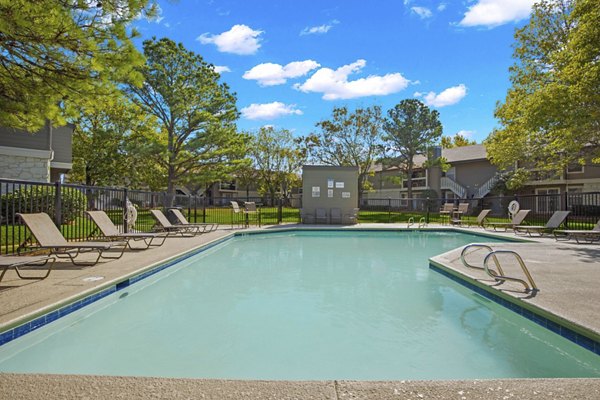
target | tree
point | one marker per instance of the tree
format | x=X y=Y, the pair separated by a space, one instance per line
x=349 y=139
x=551 y=113
x=56 y=53
x=457 y=140
x=197 y=114
x=114 y=144
x=410 y=129
x=277 y=159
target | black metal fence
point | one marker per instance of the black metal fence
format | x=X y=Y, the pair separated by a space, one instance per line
x=584 y=207
x=67 y=203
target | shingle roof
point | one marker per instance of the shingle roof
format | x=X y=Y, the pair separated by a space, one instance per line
x=465 y=153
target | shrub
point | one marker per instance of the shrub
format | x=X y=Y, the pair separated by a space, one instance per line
x=42 y=199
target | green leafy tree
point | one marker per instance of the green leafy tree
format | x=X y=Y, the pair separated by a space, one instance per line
x=114 y=144
x=277 y=159
x=349 y=139
x=57 y=53
x=457 y=140
x=410 y=129
x=197 y=114
x=551 y=112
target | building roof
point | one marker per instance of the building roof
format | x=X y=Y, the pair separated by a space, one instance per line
x=465 y=153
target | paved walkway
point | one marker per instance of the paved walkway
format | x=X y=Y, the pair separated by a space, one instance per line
x=567 y=274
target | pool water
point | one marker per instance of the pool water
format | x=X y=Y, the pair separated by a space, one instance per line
x=303 y=306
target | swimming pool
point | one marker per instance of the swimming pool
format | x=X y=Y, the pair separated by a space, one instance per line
x=302 y=306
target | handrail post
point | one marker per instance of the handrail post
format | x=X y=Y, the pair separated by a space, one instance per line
x=427 y=211
x=389 y=210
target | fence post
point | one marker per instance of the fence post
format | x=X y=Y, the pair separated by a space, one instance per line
x=57 y=204
x=189 y=207
x=427 y=215
x=125 y=212
x=195 y=208
x=566 y=208
x=280 y=212
x=204 y=210
x=389 y=210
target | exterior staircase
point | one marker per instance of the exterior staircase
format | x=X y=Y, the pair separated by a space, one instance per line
x=456 y=188
x=486 y=187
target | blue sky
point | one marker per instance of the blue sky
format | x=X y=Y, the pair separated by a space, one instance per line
x=291 y=61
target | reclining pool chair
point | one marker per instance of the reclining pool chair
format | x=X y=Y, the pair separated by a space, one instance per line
x=206 y=227
x=110 y=231
x=236 y=214
x=48 y=237
x=321 y=216
x=335 y=216
x=555 y=221
x=481 y=219
x=8 y=262
x=517 y=219
x=587 y=236
x=446 y=211
x=457 y=214
x=250 y=209
x=162 y=224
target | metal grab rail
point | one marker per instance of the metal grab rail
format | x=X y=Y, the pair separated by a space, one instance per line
x=493 y=254
x=422 y=222
x=490 y=272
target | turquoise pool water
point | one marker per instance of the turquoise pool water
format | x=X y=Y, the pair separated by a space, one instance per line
x=303 y=306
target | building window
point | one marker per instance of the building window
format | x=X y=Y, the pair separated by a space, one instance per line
x=575 y=169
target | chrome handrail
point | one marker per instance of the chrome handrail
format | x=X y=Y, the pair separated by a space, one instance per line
x=493 y=254
x=411 y=222
x=490 y=272
x=422 y=222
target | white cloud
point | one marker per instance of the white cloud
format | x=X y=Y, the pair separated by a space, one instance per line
x=493 y=13
x=269 y=74
x=335 y=84
x=222 y=68
x=441 y=7
x=465 y=133
x=268 y=111
x=240 y=39
x=447 y=97
x=422 y=12
x=313 y=30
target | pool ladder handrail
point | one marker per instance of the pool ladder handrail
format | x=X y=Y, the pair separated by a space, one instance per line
x=500 y=275
x=411 y=222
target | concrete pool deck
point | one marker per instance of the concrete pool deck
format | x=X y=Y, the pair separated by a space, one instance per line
x=568 y=275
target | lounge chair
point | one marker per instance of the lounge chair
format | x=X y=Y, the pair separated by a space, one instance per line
x=351 y=217
x=8 y=262
x=250 y=209
x=110 y=231
x=306 y=217
x=481 y=219
x=207 y=227
x=555 y=221
x=236 y=214
x=48 y=237
x=517 y=219
x=335 y=216
x=446 y=211
x=164 y=225
x=457 y=214
x=321 y=216
x=587 y=236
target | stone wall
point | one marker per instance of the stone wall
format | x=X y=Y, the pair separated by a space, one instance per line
x=24 y=168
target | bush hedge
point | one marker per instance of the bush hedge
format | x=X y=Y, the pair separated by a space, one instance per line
x=42 y=199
